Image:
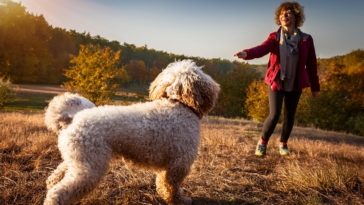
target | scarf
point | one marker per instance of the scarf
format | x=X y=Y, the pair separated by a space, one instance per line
x=288 y=50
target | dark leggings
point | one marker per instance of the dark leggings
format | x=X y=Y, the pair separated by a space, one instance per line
x=276 y=99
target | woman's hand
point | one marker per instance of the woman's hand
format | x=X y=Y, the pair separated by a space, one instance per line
x=241 y=54
x=315 y=94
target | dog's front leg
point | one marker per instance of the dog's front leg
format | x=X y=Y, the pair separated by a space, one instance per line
x=169 y=184
x=56 y=175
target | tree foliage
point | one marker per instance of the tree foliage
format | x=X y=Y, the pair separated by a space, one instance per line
x=257 y=103
x=24 y=54
x=340 y=106
x=234 y=84
x=137 y=71
x=7 y=94
x=95 y=73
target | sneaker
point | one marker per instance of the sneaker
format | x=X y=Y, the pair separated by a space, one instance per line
x=260 y=149
x=283 y=150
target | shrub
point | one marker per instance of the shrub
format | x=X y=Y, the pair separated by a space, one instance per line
x=257 y=102
x=356 y=124
x=95 y=73
x=7 y=94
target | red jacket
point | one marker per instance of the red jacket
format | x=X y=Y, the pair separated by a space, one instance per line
x=307 y=63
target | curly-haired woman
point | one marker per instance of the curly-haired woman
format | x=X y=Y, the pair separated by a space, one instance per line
x=292 y=66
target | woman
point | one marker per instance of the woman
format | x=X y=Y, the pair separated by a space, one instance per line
x=292 y=66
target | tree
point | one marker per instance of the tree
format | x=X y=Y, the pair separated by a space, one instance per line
x=257 y=103
x=24 y=53
x=342 y=98
x=137 y=71
x=153 y=73
x=61 y=45
x=234 y=84
x=340 y=105
x=95 y=73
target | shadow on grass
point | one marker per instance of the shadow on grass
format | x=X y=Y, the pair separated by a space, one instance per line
x=204 y=201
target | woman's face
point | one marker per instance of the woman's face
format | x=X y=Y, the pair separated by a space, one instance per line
x=287 y=18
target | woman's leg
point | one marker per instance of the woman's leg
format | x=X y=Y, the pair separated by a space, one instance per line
x=291 y=100
x=275 y=107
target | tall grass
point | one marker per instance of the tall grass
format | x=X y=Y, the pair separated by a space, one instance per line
x=324 y=167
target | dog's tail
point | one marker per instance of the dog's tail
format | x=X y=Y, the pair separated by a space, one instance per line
x=62 y=109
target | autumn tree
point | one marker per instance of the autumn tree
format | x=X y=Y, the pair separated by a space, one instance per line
x=95 y=73
x=153 y=73
x=137 y=71
x=234 y=84
x=340 y=106
x=257 y=104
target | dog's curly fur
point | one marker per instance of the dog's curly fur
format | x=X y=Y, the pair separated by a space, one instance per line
x=161 y=135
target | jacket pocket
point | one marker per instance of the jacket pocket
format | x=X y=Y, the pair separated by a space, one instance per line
x=271 y=74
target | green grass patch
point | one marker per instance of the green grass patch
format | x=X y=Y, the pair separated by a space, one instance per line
x=27 y=101
x=37 y=101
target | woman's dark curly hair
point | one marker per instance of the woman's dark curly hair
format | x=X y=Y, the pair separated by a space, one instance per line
x=294 y=7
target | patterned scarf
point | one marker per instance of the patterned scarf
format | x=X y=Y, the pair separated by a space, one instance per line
x=288 y=49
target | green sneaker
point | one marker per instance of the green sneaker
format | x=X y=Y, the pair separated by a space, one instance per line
x=284 y=151
x=260 y=149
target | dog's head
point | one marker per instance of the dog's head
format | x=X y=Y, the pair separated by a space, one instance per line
x=184 y=81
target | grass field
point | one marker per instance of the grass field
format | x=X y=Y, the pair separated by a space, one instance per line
x=324 y=167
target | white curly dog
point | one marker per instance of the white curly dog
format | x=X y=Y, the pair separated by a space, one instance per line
x=162 y=135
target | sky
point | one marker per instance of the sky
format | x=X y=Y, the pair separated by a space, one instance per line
x=205 y=28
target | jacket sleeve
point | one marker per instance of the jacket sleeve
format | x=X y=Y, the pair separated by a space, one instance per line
x=311 y=66
x=263 y=49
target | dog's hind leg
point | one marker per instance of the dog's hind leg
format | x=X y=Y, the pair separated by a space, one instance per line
x=79 y=179
x=57 y=175
x=169 y=184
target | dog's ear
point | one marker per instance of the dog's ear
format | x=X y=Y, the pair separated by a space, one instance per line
x=201 y=93
x=157 y=89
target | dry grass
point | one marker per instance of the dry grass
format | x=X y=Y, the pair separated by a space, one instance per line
x=324 y=167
